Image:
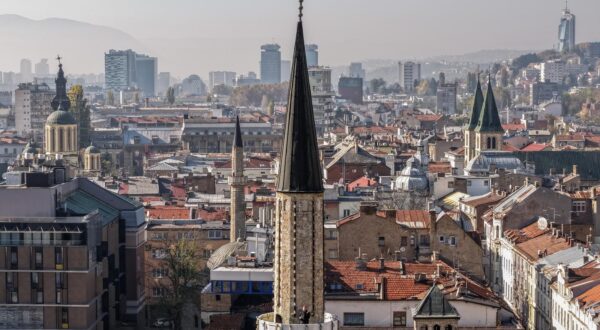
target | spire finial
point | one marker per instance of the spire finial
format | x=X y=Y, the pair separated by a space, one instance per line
x=300 y=10
x=58 y=58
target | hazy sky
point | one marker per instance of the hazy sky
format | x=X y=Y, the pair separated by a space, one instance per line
x=199 y=35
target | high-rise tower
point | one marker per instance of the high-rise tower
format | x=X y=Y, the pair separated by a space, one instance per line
x=298 y=264
x=237 y=182
x=566 y=31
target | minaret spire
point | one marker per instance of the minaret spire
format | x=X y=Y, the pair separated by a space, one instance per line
x=300 y=169
x=237 y=183
x=301 y=8
x=298 y=263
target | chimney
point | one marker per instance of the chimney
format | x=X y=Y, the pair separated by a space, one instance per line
x=381 y=264
x=361 y=264
x=382 y=287
x=434 y=256
x=574 y=169
x=401 y=268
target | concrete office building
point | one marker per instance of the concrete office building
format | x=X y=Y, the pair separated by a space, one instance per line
x=270 y=64
x=356 y=70
x=216 y=78
x=446 y=96
x=146 y=74
x=42 y=69
x=119 y=69
x=74 y=257
x=25 y=73
x=553 y=71
x=163 y=83
x=410 y=72
x=312 y=55
x=32 y=107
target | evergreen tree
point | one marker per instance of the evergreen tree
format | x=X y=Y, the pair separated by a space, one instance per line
x=171 y=95
x=110 y=98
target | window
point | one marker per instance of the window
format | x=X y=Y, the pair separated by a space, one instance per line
x=424 y=240
x=360 y=286
x=58 y=296
x=207 y=253
x=399 y=319
x=35 y=280
x=136 y=140
x=158 y=292
x=65 y=317
x=354 y=319
x=38 y=258
x=346 y=213
x=452 y=240
x=442 y=239
x=579 y=206
x=381 y=241
x=185 y=235
x=332 y=254
x=39 y=297
x=159 y=272
x=14 y=296
x=331 y=234
x=159 y=253
x=403 y=241
x=218 y=297
x=14 y=260
x=159 y=236
x=58 y=258
x=437 y=327
x=60 y=281
x=486 y=183
x=214 y=234
x=469 y=183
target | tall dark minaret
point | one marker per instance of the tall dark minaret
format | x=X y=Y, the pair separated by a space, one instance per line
x=298 y=265
x=237 y=182
x=473 y=121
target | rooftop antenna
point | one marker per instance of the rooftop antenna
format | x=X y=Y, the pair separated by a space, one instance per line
x=300 y=9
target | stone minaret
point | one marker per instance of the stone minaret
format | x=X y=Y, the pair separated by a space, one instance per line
x=298 y=265
x=473 y=121
x=237 y=182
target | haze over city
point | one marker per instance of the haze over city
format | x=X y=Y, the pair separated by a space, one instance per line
x=198 y=36
x=300 y=164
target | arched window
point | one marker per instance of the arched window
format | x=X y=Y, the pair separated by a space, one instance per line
x=437 y=327
x=493 y=143
x=448 y=327
x=489 y=143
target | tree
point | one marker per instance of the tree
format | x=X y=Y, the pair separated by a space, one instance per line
x=376 y=85
x=110 y=98
x=222 y=90
x=252 y=95
x=504 y=77
x=171 y=95
x=107 y=164
x=81 y=111
x=184 y=279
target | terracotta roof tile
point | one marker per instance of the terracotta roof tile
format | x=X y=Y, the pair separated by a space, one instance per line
x=413 y=218
x=547 y=243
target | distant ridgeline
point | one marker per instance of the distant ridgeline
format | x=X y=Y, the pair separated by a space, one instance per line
x=588 y=162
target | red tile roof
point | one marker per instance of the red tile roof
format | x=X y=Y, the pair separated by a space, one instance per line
x=547 y=243
x=525 y=233
x=428 y=117
x=361 y=182
x=535 y=147
x=513 y=127
x=413 y=218
x=167 y=212
x=439 y=167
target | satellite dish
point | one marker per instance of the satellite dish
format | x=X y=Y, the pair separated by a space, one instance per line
x=402 y=249
x=542 y=223
x=221 y=254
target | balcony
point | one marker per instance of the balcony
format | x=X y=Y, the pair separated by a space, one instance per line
x=266 y=322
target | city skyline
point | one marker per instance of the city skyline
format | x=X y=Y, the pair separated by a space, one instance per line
x=211 y=43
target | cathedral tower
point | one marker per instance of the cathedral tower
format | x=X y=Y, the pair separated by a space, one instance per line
x=237 y=182
x=60 y=131
x=473 y=121
x=489 y=131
